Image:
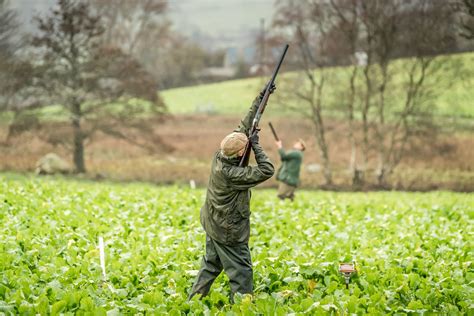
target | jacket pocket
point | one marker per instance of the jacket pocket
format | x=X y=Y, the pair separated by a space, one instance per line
x=243 y=204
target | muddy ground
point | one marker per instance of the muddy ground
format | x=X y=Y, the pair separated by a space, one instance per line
x=433 y=161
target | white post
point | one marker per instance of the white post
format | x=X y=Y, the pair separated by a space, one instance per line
x=102 y=256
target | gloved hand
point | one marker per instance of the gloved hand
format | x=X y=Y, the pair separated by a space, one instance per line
x=254 y=138
x=272 y=89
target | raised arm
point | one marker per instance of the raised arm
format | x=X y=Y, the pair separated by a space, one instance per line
x=246 y=122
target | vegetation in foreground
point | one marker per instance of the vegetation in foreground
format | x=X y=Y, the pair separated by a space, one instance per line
x=411 y=249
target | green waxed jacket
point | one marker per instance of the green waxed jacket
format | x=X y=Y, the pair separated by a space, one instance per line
x=289 y=171
x=226 y=210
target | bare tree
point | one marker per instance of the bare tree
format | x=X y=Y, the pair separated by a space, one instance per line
x=90 y=81
x=8 y=24
x=142 y=30
x=8 y=27
x=422 y=77
x=15 y=75
x=133 y=25
x=379 y=21
x=385 y=31
x=346 y=21
x=18 y=97
x=390 y=96
x=179 y=63
x=306 y=22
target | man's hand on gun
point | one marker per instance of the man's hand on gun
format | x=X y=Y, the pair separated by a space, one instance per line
x=254 y=138
x=279 y=144
x=272 y=89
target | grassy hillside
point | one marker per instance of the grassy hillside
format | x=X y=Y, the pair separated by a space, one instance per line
x=456 y=99
x=226 y=97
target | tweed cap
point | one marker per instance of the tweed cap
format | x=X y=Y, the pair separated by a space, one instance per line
x=233 y=143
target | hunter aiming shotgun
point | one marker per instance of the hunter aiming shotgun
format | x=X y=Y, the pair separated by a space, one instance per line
x=273 y=131
x=261 y=108
x=289 y=172
x=225 y=214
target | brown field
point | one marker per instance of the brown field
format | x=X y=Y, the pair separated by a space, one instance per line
x=435 y=161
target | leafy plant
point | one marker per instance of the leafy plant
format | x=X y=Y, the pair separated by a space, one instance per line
x=413 y=251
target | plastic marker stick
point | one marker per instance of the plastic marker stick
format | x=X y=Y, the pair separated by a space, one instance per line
x=102 y=256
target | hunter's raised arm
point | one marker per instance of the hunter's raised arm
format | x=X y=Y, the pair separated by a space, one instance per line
x=246 y=122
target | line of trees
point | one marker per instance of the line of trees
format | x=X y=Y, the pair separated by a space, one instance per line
x=386 y=102
x=142 y=30
x=69 y=62
x=102 y=62
x=101 y=59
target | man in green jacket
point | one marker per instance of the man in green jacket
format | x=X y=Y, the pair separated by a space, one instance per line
x=226 y=211
x=289 y=172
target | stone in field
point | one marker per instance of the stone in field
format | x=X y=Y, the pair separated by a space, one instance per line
x=51 y=163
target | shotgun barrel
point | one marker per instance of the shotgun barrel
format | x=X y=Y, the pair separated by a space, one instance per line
x=273 y=131
x=261 y=108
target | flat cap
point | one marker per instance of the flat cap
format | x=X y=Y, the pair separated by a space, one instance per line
x=233 y=143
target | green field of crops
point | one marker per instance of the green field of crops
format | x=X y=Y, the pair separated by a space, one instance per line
x=413 y=251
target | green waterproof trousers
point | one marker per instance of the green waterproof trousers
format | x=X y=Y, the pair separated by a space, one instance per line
x=234 y=260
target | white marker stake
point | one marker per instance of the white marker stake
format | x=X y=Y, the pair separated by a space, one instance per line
x=102 y=256
x=192 y=184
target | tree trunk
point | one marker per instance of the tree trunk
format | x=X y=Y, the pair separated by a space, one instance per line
x=355 y=174
x=365 y=143
x=323 y=148
x=78 y=154
x=327 y=168
x=320 y=135
x=10 y=131
x=381 y=155
x=365 y=121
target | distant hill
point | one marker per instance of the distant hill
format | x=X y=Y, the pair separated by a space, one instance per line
x=235 y=96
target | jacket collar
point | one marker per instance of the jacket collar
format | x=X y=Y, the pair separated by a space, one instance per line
x=231 y=161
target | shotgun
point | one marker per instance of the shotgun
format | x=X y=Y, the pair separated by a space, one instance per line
x=244 y=161
x=273 y=131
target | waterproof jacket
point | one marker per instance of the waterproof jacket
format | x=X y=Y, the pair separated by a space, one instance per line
x=226 y=210
x=289 y=171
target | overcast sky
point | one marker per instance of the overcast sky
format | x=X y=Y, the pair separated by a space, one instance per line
x=216 y=18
